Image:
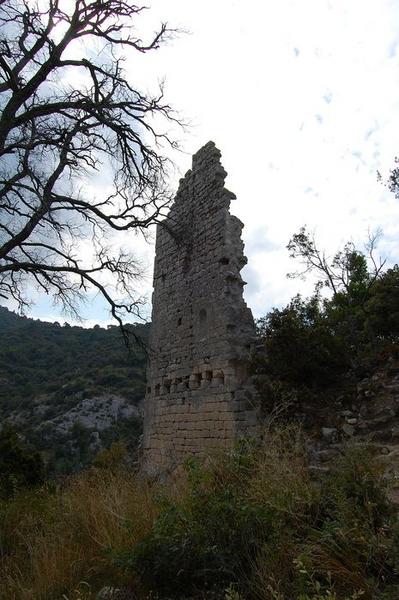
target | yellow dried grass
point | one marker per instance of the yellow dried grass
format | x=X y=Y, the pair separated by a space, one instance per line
x=71 y=536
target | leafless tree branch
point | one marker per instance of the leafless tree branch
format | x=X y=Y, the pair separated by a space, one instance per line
x=56 y=134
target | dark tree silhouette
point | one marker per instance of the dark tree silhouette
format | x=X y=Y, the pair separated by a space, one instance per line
x=69 y=114
x=20 y=466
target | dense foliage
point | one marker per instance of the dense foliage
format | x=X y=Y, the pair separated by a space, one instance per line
x=48 y=370
x=254 y=523
x=322 y=346
x=20 y=466
x=40 y=358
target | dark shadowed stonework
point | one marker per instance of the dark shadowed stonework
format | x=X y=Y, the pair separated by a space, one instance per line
x=198 y=393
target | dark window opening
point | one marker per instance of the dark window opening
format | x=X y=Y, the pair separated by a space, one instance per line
x=207 y=375
x=220 y=377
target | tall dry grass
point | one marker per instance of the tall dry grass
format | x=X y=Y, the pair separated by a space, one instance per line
x=254 y=520
x=54 y=540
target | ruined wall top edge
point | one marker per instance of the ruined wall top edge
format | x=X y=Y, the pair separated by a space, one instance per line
x=199 y=314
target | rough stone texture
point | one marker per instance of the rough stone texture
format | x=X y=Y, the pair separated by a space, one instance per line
x=198 y=393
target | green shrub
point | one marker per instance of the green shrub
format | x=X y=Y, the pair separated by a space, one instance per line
x=205 y=539
x=254 y=522
x=20 y=467
x=355 y=537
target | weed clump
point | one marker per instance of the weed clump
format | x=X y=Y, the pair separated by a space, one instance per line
x=253 y=523
x=255 y=519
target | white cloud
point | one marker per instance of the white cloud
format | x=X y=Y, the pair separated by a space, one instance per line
x=302 y=99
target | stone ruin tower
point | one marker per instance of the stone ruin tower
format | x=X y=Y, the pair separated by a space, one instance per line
x=198 y=394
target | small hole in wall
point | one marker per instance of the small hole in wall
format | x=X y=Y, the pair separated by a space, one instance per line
x=224 y=261
x=157 y=389
x=221 y=379
x=179 y=321
x=207 y=375
x=148 y=390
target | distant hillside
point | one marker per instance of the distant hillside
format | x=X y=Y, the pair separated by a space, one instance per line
x=70 y=390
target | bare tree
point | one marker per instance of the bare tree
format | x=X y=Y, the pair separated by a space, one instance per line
x=343 y=269
x=68 y=112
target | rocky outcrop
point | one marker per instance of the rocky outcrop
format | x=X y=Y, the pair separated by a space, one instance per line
x=370 y=419
x=70 y=437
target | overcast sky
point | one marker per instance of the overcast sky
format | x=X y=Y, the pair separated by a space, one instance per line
x=302 y=99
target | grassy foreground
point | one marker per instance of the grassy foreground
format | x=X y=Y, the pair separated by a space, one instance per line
x=255 y=523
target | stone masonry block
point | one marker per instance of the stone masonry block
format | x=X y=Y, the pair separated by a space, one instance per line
x=201 y=328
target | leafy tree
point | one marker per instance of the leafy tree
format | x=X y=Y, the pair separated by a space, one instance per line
x=69 y=114
x=350 y=275
x=81 y=436
x=382 y=309
x=316 y=345
x=19 y=466
x=300 y=346
x=392 y=182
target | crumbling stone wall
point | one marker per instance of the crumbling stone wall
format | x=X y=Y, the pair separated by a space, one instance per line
x=198 y=393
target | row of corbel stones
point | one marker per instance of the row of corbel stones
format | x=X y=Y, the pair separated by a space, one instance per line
x=201 y=377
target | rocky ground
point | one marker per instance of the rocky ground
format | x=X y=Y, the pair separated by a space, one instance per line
x=371 y=419
x=70 y=435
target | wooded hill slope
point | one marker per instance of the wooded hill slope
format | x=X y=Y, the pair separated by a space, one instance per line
x=69 y=390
